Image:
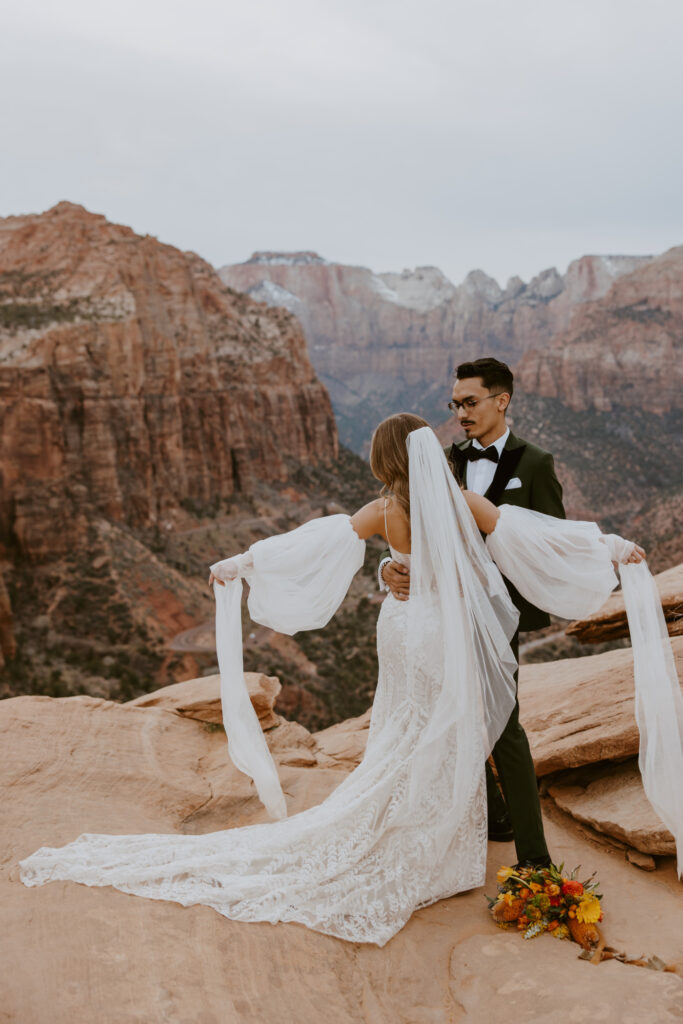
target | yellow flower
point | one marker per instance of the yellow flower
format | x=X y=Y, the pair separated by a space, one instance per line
x=588 y=910
x=535 y=887
x=509 y=898
x=503 y=874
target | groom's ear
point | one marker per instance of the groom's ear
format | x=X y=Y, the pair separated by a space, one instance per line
x=504 y=400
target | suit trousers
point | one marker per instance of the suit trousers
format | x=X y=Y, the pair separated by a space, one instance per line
x=517 y=777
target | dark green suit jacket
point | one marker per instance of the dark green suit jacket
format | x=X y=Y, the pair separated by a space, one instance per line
x=538 y=488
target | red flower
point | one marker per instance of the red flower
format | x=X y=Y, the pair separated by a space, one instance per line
x=555 y=901
x=571 y=888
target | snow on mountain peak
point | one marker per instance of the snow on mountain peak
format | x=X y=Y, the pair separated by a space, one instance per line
x=289 y=259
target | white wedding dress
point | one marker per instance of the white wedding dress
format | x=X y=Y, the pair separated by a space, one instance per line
x=408 y=826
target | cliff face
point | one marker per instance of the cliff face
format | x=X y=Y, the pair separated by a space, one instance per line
x=622 y=350
x=150 y=422
x=382 y=341
x=132 y=380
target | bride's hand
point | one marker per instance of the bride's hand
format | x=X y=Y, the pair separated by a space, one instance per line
x=623 y=552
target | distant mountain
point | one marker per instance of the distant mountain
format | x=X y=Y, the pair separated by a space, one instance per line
x=623 y=350
x=382 y=342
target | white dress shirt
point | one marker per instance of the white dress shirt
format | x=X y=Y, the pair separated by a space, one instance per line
x=479 y=474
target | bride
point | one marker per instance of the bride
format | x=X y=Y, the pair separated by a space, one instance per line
x=408 y=826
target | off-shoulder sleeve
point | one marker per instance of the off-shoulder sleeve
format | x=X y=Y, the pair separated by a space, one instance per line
x=297 y=581
x=561 y=566
x=300 y=578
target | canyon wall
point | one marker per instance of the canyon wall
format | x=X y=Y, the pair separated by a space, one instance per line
x=132 y=379
x=624 y=349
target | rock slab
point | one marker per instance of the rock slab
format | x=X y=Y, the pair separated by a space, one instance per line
x=581 y=710
x=617 y=805
x=201 y=698
x=72 y=953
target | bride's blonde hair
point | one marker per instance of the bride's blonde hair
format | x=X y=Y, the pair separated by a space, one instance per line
x=389 y=455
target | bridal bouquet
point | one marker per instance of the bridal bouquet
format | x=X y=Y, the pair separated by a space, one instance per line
x=536 y=900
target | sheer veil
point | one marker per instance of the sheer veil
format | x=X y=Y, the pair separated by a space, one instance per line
x=453 y=575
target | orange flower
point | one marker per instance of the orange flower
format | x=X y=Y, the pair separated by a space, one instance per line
x=525 y=893
x=572 y=888
x=535 y=887
x=552 y=926
x=552 y=889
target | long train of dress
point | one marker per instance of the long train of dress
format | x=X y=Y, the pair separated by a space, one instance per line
x=355 y=866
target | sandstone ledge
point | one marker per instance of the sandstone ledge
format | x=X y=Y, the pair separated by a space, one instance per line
x=81 y=764
x=581 y=710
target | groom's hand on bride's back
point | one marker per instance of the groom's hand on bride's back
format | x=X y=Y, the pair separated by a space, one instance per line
x=397 y=578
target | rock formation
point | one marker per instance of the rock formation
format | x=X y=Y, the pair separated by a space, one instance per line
x=623 y=349
x=70 y=952
x=139 y=398
x=387 y=339
x=132 y=379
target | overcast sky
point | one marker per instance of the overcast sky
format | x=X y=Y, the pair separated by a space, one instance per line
x=510 y=136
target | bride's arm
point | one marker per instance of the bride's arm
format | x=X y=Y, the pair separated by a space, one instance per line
x=368 y=521
x=484 y=511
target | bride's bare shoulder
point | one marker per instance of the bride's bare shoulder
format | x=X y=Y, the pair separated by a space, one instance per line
x=369 y=519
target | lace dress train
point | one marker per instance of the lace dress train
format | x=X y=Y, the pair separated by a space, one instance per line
x=355 y=866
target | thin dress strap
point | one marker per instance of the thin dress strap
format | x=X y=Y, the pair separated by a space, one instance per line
x=386 y=525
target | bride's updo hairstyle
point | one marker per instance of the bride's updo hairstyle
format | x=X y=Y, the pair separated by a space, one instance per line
x=389 y=455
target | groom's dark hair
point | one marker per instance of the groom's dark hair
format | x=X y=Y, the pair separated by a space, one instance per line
x=493 y=373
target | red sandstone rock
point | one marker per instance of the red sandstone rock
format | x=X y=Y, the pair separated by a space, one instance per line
x=201 y=698
x=131 y=380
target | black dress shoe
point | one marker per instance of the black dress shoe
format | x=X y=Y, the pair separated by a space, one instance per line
x=500 y=830
x=536 y=862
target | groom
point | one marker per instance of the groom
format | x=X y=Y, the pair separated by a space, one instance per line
x=506 y=470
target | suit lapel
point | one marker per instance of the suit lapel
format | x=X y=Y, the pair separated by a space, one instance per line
x=507 y=464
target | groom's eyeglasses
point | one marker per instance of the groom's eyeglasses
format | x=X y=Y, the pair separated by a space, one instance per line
x=471 y=403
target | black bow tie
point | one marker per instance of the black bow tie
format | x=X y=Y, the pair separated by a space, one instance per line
x=473 y=454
